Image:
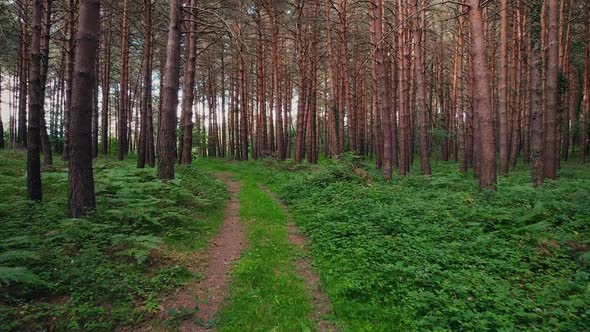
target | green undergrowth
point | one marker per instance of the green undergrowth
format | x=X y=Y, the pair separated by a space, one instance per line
x=108 y=269
x=265 y=293
x=421 y=253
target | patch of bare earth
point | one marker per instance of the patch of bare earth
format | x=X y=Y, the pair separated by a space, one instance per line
x=214 y=263
x=321 y=306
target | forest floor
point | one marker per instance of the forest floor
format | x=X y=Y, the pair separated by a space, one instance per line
x=308 y=247
x=435 y=253
x=214 y=264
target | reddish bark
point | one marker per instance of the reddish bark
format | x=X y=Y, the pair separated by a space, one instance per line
x=484 y=114
x=81 y=197
x=421 y=94
x=586 y=100
x=551 y=92
x=280 y=127
x=503 y=91
x=167 y=130
x=403 y=93
x=380 y=80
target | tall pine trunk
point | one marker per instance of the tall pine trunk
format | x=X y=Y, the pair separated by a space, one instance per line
x=69 y=73
x=123 y=143
x=81 y=197
x=484 y=113
x=46 y=32
x=503 y=91
x=146 y=137
x=188 y=95
x=167 y=130
x=421 y=94
x=106 y=89
x=551 y=91
x=34 y=189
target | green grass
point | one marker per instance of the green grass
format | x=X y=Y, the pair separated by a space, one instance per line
x=265 y=294
x=411 y=254
x=417 y=254
x=108 y=269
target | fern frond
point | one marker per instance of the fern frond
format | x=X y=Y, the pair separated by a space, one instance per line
x=9 y=275
x=17 y=241
x=16 y=255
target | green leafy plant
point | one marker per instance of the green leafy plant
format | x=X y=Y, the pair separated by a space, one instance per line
x=110 y=268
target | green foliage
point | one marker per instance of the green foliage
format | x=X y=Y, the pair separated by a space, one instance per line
x=266 y=294
x=137 y=247
x=420 y=253
x=108 y=269
x=8 y=35
x=17 y=274
x=177 y=315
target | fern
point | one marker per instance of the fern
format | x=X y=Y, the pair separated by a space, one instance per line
x=17 y=241
x=137 y=247
x=9 y=275
x=16 y=255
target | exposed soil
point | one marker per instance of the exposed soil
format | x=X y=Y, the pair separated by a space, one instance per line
x=214 y=263
x=321 y=303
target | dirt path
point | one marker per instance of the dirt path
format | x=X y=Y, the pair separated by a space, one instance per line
x=321 y=303
x=217 y=260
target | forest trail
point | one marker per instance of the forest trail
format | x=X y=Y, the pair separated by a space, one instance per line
x=218 y=258
x=321 y=306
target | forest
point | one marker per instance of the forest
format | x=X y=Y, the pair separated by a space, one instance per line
x=294 y=165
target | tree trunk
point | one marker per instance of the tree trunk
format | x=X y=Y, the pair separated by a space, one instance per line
x=482 y=100
x=536 y=117
x=551 y=91
x=585 y=144
x=381 y=82
x=403 y=94
x=45 y=142
x=333 y=74
x=35 y=109
x=261 y=125
x=243 y=107
x=223 y=119
x=346 y=106
x=303 y=81
x=70 y=55
x=188 y=92
x=106 y=89
x=536 y=103
x=145 y=148
x=421 y=94
x=167 y=129
x=23 y=77
x=81 y=180
x=503 y=91
x=95 y=105
x=123 y=140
